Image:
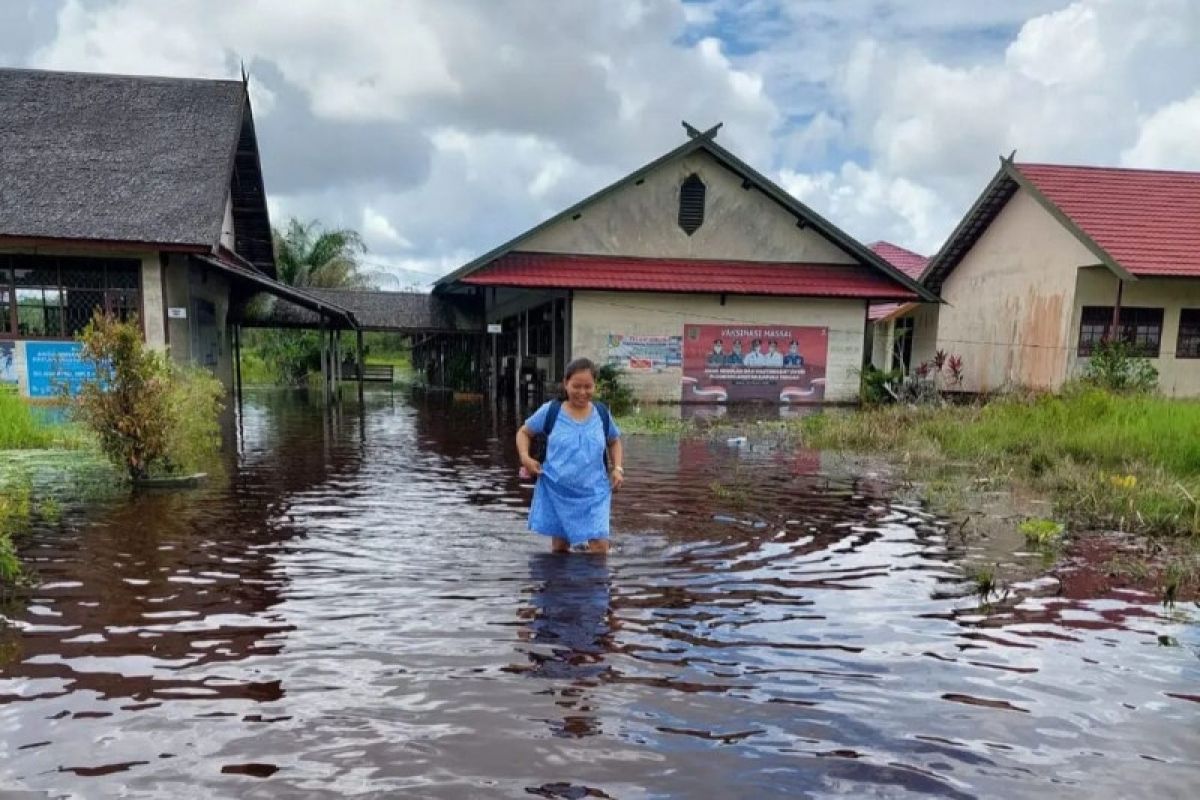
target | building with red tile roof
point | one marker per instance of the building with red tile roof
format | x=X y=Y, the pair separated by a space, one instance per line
x=697 y=276
x=897 y=330
x=1053 y=259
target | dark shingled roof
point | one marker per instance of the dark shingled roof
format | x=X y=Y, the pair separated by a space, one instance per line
x=375 y=310
x=116 y=158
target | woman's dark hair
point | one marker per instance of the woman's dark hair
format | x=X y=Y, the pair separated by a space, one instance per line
x=574 y=366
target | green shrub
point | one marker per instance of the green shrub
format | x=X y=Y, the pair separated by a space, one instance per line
x=145 y=412
x=1116 y=366
x=195 y=402
x=612 y=391
x=876 y=384
x=290 y=355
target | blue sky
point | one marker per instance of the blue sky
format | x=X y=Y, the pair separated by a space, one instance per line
x=441 y=129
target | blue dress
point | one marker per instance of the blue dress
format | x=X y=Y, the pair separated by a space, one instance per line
x=573 y=497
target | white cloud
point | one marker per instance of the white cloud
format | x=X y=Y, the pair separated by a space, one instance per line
x=520 y=108
x=377 y=230
x=1063 y=47
x=1072 y=85
x=442 y=129
x=1169 y=138
x=869 y=205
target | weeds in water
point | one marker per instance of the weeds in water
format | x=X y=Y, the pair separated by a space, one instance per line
x=1042 y=533
x=736 y=493
x=1177 y=575
x=15 y=507
x=1127 y=568
x=983 y=576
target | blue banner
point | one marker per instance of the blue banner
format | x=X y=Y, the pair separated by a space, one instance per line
x=55 y=365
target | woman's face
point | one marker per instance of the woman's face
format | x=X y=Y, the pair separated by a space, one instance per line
x=580 y=388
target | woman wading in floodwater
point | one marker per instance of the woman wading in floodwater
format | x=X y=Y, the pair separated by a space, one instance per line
x=583 y=464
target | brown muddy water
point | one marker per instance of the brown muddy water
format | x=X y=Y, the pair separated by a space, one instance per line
x=357 y=612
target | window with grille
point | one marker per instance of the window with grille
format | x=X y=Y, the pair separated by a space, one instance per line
x=1188 y=344
x=55 y=297
x=1140 y=328
x=691 y=204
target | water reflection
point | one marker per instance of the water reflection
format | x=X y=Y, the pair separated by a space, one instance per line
x=357 y=609
x=569 y=625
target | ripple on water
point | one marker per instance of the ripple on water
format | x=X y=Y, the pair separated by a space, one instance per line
x=360 y=612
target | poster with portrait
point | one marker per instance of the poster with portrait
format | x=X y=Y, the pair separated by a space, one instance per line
x=761 y=363
x=8 y=362
x=644 y=353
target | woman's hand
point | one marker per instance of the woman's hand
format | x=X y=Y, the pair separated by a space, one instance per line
x=617 y=477
x=531 y=465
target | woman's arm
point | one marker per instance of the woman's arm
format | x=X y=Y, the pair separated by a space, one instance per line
x=524 y=440
x=616 y=461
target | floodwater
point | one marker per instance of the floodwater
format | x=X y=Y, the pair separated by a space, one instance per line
x=356 y=611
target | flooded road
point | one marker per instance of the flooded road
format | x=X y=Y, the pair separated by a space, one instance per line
x=357 y=612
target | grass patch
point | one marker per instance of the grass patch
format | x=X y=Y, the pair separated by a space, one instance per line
x=1125 y=461
x=20 y=429
x=654 y=421
x=27 y=427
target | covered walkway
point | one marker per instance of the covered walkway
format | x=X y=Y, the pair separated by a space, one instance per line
x=447 y=332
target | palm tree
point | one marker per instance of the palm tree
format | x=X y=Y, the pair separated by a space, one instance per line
x=306 y=254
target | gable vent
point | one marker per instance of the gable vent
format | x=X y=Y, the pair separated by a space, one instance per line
x=691 y=204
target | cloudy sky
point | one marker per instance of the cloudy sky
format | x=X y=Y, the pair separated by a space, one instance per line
x=441 y=128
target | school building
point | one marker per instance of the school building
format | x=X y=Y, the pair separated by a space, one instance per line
x=698 y=277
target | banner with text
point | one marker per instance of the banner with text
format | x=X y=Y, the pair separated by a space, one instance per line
x=54 y=366
x=766 y=363
x=644 y=353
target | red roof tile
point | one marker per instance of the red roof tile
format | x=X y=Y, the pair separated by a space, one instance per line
x=567 y=271
x=908 y=262
x=1147 y=220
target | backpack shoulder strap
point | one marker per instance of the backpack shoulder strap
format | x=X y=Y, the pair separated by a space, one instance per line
x=605 y=417
x=551 y=417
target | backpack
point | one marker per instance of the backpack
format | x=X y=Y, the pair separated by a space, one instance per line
x=537 y=448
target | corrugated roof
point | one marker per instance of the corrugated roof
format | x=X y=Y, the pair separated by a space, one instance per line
x=115 y=157
x=622 y=273
x=1148 y=221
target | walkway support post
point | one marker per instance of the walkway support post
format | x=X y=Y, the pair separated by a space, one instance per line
x=361 y=365
x=237 y=365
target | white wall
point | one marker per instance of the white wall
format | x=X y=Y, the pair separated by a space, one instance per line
x=1008 y=303
x=595 y=315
